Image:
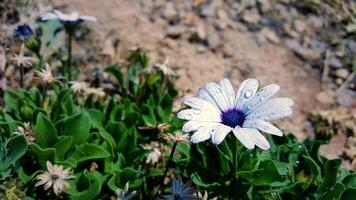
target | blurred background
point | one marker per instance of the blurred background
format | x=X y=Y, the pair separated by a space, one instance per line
x=308 y=47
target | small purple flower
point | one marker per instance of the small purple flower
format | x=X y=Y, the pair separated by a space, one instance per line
x=23 y=32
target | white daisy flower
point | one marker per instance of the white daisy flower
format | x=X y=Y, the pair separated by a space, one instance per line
x=217 y=110
x=55 y=177
x=154 y=154
x=67 y=19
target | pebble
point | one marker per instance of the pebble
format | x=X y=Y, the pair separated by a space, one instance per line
x=170 y=12
x=213 y=39
x=342 y=73
x=176 y=31
x=324 y=98
x=335 y=63
x=305 y=53
x=251 y=16
x=270 y=35
x=300 y=25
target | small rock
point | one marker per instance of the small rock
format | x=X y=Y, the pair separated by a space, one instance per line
x=265 y=5
x=170 y=12
x=305 y=53
x=345 y=99
x=300 y=25
x=339 y=81
x=251 y=16
x=190 y=18
x=342 y=73
x=201 y=31
x=270 y=35
x=351 y=45
x=2 y=59
x=335 y=63
x=213 y=39
x=176 y=31
x=207 y=11
x=324 y=98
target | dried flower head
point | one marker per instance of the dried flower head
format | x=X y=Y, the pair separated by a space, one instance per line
x=154 y=152
x=161 y=128
x=55 y=177
x=22 y=60
x=45 y=75
x=79 y=87
x=26 y=130
x=178 y=137
x=216 y=111
x=125 y=194
x=164 y=67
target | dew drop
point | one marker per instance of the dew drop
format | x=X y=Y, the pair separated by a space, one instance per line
x=218 y=90
x=299 y=146
x=262 y=91
x=261 y=99
x=297 y=161
x=248 y=93
x=265 y=128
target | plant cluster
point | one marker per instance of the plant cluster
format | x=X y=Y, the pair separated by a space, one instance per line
x=74 y=140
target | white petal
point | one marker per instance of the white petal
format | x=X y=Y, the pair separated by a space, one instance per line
x=88 y=18
x=243 y=136
x=246 y=92
x=228 y=92
x=259 y=139
x=201 y=135
x=49 y=16
x=199 y=115
x=273 y=109
x=203 y=94
x=216 y=93
x=263 y=126
x=219 y=133
x=261 y=97
x=195 y=125
x=200 y=104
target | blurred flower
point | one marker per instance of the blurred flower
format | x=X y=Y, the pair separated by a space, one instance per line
x=97 y=92
x=203 y=197
x=45 y=75
x=21 y=60
x=55 y=177
x=67 y=19
x=167 y=71
x=27 y=131
x=125 y=194
x=216 y=111
x=182 y=191
x=23 y=32
x=154 y=154
x=79 y=87
x=183 y=138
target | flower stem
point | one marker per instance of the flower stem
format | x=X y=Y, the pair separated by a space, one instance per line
x=69 y=61
x=168 y=165
x=21 y=76
x=235 y=162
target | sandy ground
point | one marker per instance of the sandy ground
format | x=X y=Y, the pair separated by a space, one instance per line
x=133 y=24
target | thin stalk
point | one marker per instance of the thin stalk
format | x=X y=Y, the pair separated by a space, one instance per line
x=69 y=61
x=168 y=165
x=22 y=72
x=234 y=167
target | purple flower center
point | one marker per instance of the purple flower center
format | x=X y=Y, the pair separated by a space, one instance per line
x=233 y=117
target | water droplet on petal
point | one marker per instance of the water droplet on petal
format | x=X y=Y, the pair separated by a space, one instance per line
x=262 y=91
x=248 y=93
x=218 y=90
x=265 y=128
x=299 y=146
x=297 y=161
x=261 y=99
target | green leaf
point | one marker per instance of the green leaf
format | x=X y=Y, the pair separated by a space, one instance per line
x=63 y=145
x=17 y=147
x=96 y=118
x=331 y=169
x=350 y=181
x=334 y=193
x=43 y=154
x=88 y=152
x=348 y=194
x=77 y=126
x=46 y=133
x=270 y=173
x=89 y=189
x=199 y=182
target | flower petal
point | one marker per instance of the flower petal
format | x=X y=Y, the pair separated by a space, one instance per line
x=216 y=93
x=202 y=134
x=203 y=94
x=261 y=97
x=246 y=92
x=219 y=133
x=228 y=92
x=200 y=104
x=88 y=18
x=195 y=125
x=259 y=139
x=199 y=115
x=245 y=138
x=263 y=126
x=273 y=109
